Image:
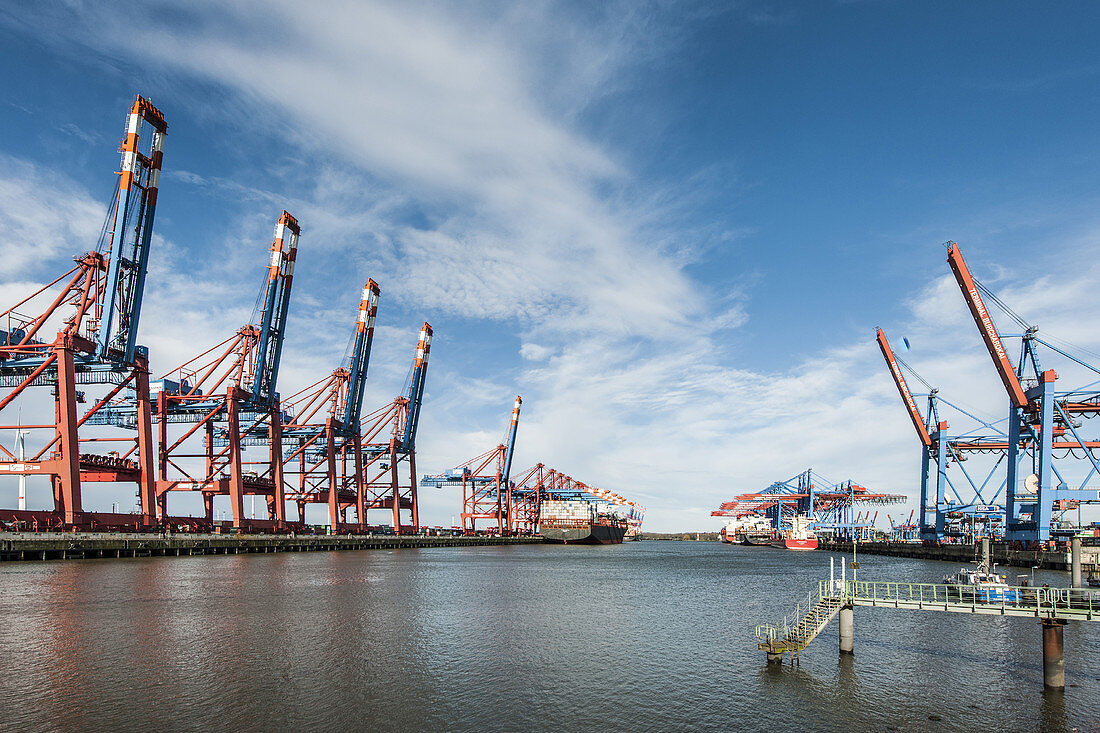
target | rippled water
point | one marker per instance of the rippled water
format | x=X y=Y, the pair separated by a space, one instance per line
x=642 y=636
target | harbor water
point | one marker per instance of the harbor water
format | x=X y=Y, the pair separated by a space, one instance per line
x=636 y=637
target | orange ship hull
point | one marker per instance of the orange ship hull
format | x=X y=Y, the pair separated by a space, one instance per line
x=807 y=544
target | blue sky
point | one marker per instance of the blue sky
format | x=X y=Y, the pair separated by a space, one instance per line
x=672 y=227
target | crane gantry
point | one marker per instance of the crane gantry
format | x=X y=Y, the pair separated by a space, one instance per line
x=317 y=446
x=1042 y=429
x=95 y=307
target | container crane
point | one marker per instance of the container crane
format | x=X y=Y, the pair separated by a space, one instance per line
x=96 y=307
x=323 y=448
x=1038 y=415
x=486 y=488
x=547 y=484
x=388 y=439
x=229 y=391
x=943 y=454
x=831 y=508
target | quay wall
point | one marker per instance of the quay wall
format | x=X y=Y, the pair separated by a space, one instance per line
x=1000 y=552
x=86 y=545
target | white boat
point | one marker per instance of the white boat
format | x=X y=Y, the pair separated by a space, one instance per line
x=982 y=583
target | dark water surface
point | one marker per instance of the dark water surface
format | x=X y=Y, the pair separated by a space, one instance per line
x=638 y=637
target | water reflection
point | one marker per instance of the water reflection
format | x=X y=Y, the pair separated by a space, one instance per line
x=649 y=636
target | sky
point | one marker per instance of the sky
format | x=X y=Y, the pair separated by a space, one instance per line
x=672 y=227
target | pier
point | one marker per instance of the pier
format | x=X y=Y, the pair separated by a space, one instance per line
x=87 y=545
x=1002 y=553
x=1052 y=607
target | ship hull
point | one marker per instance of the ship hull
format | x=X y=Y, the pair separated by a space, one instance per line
x=793 y=544
x=596 y=534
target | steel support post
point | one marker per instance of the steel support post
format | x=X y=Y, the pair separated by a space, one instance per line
x=941 y=480
x=412 y=491
x=1054 y=662
x=330 y=472
x=236 y=473
x=927 y=525
x=1012 y=478
x=394 y=491
x=847 y=629
x=360 y=480
x=1044 y=507
x=275 y=444
x=1075 y=562
x=69 y=462
x=162 y=451
x=147 y=483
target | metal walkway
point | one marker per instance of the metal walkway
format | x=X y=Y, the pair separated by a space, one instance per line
x=810 y=617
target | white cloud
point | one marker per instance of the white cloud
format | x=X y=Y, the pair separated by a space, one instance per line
x=628 y=372
x=45 y=214
x=535 y=352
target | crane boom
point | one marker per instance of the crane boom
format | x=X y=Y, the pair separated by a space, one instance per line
x=903 y=388
x=360 y=355
x=511 y=440
x=416 y=386
x=132 y=217
x=284 y=248
x=985 y=326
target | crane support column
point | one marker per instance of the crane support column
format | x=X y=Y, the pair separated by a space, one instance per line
x=360 y=481
x=333 y=489
x=275 y=440
x=847 y=629
x=1075 y=562
x=1044 y=508
x=395 y=493
x=236 y=470
x=1054 y=660
x=412 y=492
x=147 y=482
x=69 y=447
x=1012 y=478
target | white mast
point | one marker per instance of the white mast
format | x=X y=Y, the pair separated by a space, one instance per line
x=20 y=449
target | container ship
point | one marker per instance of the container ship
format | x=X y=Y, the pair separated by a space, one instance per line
x=799 y=536
x=579 y=523
x=748 y=530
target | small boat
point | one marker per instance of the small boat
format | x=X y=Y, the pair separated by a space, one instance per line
x=982 y=584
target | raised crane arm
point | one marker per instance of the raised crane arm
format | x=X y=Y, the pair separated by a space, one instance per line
x=416 y=386
x=903 y=388
x=133 y=221
x=284 y=248
x=511 y=440
x=985 y=326
x=360 y=355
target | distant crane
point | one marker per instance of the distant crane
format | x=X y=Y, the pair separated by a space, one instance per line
x=486 y=488
x=322 y=443
x=831 y=508
x=388 y=440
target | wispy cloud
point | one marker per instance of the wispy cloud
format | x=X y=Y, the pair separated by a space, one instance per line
x=45 y=214
x=442 y=150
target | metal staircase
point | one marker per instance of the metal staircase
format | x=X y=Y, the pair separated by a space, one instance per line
x=798 y=629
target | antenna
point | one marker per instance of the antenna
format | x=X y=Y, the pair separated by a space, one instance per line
x=20 y=451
